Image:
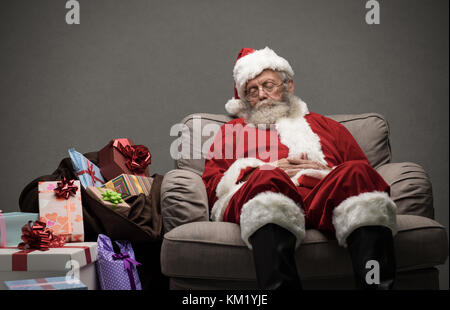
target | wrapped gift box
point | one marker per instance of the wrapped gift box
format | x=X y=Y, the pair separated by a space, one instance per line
x=73 y=260
x=62 y=216
x=116 y=270
x=122 y=208
x=129 y=185
x=54 y=283
x=115 y=160
x=88 y=173
x=11 y=227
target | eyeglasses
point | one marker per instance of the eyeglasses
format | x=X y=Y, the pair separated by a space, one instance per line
x=268 y=87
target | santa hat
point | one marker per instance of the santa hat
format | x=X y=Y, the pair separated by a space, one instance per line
x=249 y=64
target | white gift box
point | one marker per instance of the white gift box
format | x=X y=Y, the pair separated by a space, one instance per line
x=76 y=259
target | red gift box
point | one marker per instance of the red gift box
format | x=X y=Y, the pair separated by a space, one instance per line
x=122 y=156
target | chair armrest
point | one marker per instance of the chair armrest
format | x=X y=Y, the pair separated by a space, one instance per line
x=411 y=188
x=183 y=199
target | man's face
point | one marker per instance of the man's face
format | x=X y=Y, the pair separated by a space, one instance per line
x=267 y=85
x=268 y=99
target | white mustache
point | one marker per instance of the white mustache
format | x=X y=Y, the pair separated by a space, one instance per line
x=267 y=103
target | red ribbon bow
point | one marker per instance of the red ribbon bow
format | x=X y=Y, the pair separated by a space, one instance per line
x=38 y=236
x=128 y=263
x=65 y=189
x=138 y=156
x=91 y=173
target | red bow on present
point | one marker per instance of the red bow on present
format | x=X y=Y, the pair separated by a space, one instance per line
x=138 y=156
x=90 y=171
x=38 y=236
x=65 y=189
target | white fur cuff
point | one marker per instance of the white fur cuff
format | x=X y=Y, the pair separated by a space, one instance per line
x=318 y=174
x=270 y=207
x=230 y=176
x=372 y=208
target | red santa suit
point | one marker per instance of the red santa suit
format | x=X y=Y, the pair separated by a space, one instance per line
x=352 y=194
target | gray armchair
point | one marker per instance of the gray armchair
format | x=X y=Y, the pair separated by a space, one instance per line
x=200 y=254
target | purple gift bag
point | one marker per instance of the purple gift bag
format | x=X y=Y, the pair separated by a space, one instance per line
x=116 y=269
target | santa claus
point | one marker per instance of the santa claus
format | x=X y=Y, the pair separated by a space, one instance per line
x=319 y=178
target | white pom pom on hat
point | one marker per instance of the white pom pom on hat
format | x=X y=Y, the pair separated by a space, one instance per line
x=234 y=106
x=249 y=64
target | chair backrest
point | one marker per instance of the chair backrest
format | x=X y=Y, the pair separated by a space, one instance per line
x=370 y=130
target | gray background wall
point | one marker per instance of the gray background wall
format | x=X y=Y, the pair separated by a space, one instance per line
x=135 y=68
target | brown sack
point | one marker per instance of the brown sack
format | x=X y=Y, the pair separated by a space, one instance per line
x=143 y=223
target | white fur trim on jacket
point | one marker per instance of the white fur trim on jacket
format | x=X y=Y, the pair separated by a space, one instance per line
x=227 y=186
x=230 y=176
x=251 y=65
x=366 y=209
x=298 y=136
x=269 y=207
x=221 y=204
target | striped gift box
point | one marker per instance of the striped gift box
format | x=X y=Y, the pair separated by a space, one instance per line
x=53 y=283
x=129 y=185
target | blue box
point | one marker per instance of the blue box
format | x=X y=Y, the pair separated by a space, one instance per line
x=54 y=283
x=81 y=166
x=14 y=222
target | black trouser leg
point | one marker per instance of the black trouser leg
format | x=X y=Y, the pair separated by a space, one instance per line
x=376 y=244
x=274 y=257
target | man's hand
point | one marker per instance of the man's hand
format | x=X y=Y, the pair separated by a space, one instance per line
x=295 y=164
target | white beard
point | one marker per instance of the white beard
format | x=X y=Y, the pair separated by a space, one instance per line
x=269 y=111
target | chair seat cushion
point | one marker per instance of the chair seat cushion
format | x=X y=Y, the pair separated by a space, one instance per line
x=215 y=250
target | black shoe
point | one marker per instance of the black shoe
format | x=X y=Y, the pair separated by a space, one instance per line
x=372 y=243
x=274 y=257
